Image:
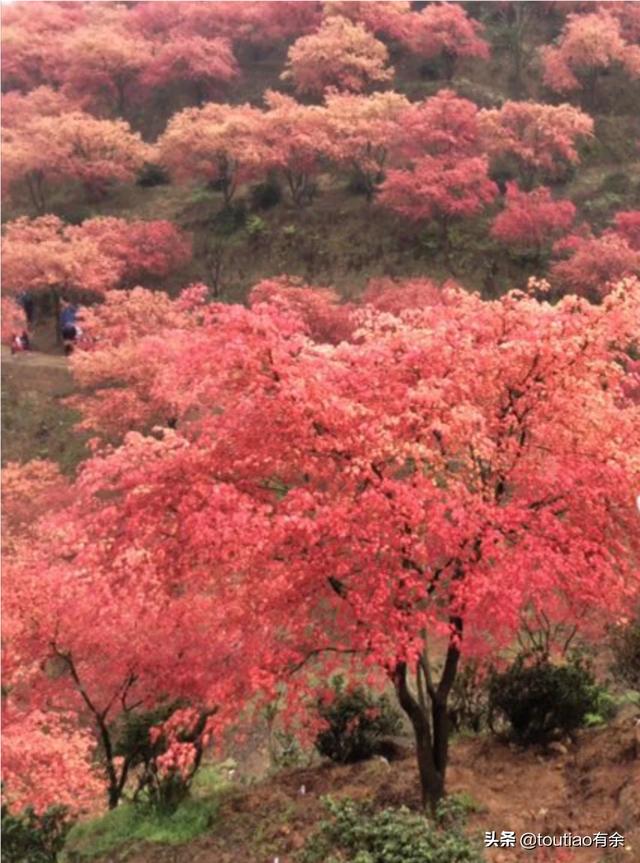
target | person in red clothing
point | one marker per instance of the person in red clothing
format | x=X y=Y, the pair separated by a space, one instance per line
x=20 y=342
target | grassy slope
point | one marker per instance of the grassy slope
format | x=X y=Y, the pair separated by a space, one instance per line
x=594 y=785
x=35 y=421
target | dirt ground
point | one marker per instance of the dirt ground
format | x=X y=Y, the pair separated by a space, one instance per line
x=35 y=421
x=588 y=786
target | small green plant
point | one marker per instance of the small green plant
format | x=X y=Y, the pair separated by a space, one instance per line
x=29 y=837
x=541 y=701
x=604 y=707
x=357 y=723
x=355 y=834
x=286 y=751
x=255 y=226
x=454 y=809
x=289 y=231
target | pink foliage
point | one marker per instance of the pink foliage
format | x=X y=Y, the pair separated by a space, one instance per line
x=445 y=29
x=340 y=54
x=532 y=219
x=438 y=188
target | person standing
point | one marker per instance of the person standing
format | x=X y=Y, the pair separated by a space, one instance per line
x=68 y=326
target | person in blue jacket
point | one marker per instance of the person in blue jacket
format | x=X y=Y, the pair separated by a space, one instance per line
x=68 y=325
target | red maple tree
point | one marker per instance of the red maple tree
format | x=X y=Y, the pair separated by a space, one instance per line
x=217 y=143
x=590 y=45
x=542 y=139
x=140 y=250
x=445 y=30
x=411 y=495
x=532 y=220
x=439 y=189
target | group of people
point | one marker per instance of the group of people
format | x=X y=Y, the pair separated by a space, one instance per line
x=69 y=329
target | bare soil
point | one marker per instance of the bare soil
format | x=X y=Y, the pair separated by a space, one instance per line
x=592 y=786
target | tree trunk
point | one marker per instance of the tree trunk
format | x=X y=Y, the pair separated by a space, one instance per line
x=431 y=778
x=429 y=716
x=449 y=65
x=55 y=298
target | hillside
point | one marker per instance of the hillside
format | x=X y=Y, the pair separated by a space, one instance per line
x=326 y=440
x=589 y=786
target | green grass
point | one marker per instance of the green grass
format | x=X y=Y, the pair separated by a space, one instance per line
x=36 y=423
x=130 y=824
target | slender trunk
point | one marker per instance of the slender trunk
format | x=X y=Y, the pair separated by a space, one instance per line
x=449 y=65
x=299 y=187
x=115 y=783
x=591 y=90
x=429 y=716
x=516 y=87
x=55 y=298
x=121 y=101
x=431 y=779
x=40 y=191
x=228 y=189
x=200 y=94
x=34 y=181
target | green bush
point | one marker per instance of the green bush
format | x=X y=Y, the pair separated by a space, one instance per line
x=541 y=701
x=357 y=723
x=231 y=218
x=286 y=752
x=358 y=184
x=152 y=174
x=32 y=838
x=356 y=835
x=255 y=226
x=266 y=195
x=616 y=183
x=626 y=652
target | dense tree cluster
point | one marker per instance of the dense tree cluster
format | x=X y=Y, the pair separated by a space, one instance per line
x=301 y=484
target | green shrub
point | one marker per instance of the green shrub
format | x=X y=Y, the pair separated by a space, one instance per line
x=453 y=810
x=616 y=183
x=357 y=723
x=356 y=835
x=626 y=651
x=266 y=195
x=32 y=838
x=76 y=213
x=358 y=184
x=255 y=226
x=231 y=218
x=152 y=174
x=541 y=701
x=286 y=752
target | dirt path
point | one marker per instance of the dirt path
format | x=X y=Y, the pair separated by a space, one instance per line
x=33 y=358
